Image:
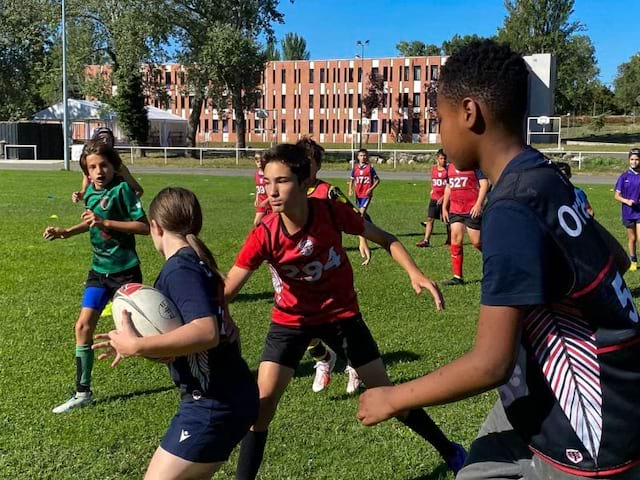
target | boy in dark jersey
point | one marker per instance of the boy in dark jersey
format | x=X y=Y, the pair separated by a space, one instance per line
x=314 y=295
x=113 y=215
x=628 y=194
x=558 y=328
x=462 y=205
x=436 y=196
x=565 y=168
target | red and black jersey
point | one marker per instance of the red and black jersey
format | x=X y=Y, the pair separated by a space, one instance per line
x=320 y=189
x=465 y=187
x=439 y=179
x=261 y=193
x=363 y=177
x=311 y=273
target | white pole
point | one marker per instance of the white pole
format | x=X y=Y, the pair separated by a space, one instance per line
x=65 y=111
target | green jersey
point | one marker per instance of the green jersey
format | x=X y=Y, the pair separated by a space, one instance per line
x=113 y=251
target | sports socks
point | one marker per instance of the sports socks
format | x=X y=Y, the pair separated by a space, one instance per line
x=457 y=256
x=318 y=350
x=421 y=423
x=251 y=453
x=84 y=366
x=634 y=258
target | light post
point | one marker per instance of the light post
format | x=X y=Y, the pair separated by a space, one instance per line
x=65 y=109
x=361 y=44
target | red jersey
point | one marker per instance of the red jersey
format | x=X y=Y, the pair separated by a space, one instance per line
x=363 y=177
x=319 y=190
x=465 y=187
x=261 y=193
x=311 y=273
x=438 y=182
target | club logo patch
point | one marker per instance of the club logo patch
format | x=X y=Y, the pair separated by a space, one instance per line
x=306 y=247
x=573 y=455
x=105 y=202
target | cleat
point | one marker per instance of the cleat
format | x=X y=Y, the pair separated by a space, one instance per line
x=456 y=460
x=78 y=400
x=323 y=372
x=424 y=224
x=354 y=382
x=423 y=244
x=453 y=281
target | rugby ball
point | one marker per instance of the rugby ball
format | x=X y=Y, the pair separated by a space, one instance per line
x=151 y=312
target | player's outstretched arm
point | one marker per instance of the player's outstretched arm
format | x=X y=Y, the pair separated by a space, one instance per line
x=400 y=254
x=51 y=233
x=125 y=173
x=234 y=281
x=488 y=365
x=136 y=227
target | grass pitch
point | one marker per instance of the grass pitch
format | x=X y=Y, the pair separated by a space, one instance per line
x=314 y=436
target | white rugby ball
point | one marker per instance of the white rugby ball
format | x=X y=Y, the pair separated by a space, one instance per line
x=151 y=312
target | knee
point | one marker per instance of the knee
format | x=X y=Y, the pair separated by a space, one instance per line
x=83 y=328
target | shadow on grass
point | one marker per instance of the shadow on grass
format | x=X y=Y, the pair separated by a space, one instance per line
x=610 y=138
x=254 y=297
x=138 y=393
x=635 y=292
x=440 y=473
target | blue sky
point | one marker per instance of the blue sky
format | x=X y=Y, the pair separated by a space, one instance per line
x=331 y=27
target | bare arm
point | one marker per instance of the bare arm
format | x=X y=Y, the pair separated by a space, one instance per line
x=351 y=186
x=476 y=210
x=234 y=281
x=445 y=203
x=402 y=257
x=621 y=199
x=487 y=365
x=51 y=233
x=136 y=227
x=376 y=182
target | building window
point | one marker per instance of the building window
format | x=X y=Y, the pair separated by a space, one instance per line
x=374 y=72
x=299 y=76
x=182 y=78
x=416 y=99
x=359 y=101
x=322 y=79
x=350 y=74
x=233 y=125
x=298 y=122
x=350 y=105
x=349 y=126
x=384 y=100
x=311 y=126
x=391 y=74
x=311 y=100
x=322 y=100
x=322 y=125
x=283 y=126
x=295 y=101
x=337 y=104
x=167 y=78
x=358 y=127
x=417 y=72
x=400 y=72
x=225 y=126
x=334 y=75
x=373 y=126
x=283 y=100
x=283 y=76
x=385 y=73
x=384 y=125
x=415 y=125
x=406 y=72
x=311 y=79
x=405 y=100
x=182 y=102
x=274 y=100
x=206 y=125
x=435 y=72
x=433 y=125
x=338 y=74
x=405 y=126
x=216 y=126
x=273 y=76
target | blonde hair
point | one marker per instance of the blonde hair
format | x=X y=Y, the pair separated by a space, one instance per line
x=178 y=210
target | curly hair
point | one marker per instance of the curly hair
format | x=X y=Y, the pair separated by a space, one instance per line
x=293 y=156
x=494 y=74
x=313 y=149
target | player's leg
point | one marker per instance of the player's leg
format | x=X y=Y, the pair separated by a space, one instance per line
x=325 y=360
x=457 y=253
x=474 y=235
x=434 y=210
x=166 y=466
x=633 y=232
x=284 y=347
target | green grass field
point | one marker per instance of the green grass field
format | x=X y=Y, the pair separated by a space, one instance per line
x=314 y=436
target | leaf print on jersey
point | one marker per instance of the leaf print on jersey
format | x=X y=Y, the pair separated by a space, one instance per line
x=199 y=366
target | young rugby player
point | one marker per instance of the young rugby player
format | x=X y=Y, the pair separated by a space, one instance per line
x=580 y=194
x=464 y=197
x=362 y=183
x=436 y=196
x=314 y=295
x=113 y=215
x=105 y=135
x=261 y=202
x=219 y=393
x=628 y=194
x=558 y=328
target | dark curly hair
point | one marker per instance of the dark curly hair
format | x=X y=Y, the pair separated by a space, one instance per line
x=293 y=156
x=494 y=74
x=313 y=149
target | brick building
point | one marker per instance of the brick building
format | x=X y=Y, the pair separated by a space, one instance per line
x=323 y=98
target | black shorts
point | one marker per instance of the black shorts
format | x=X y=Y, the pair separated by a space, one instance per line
x=101 y=287
x=434 y=210
x=630 y=223
x=468 y=220
x=349 y=338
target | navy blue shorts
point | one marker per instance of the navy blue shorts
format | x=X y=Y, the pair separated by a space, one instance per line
x=630 y=223
x=362 y=202
x=206 y=430
x=101 y=287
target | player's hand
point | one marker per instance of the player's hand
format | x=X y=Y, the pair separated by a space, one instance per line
x=445 y=215
x=92 y=220
x=120 y=344
x=420 y=283
x=51 y=233
x=439 y=201
x=476 y=211
x=77 y=196
x=365 y=252
x=374 y=406
x=630 y=202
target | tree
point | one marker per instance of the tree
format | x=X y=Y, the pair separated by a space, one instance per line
x=294 y=47
x=417 y=48
x=374 y=96
x=627 y=84
x=271 y=52
x=449 y=47
x=534 y=26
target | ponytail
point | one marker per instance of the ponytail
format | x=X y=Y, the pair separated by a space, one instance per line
x=204 y=254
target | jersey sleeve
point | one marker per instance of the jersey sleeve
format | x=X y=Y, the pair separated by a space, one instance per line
x=254 y=251
x=353 y=172
x=374 y=175
x=192 y=293
x=619 y=183
x=480 y=175
x=521 y=264
x=131 y=203
x=347 y=219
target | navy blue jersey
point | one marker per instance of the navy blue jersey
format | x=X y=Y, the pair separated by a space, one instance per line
x=195 y=291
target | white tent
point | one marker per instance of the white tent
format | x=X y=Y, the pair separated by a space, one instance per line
x=165 y=128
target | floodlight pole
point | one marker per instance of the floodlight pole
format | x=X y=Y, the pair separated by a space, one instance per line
x=65 y=112
x=361 y=44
